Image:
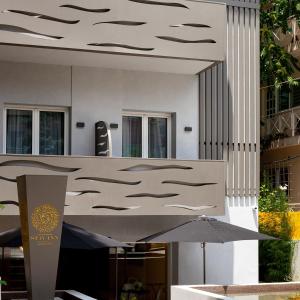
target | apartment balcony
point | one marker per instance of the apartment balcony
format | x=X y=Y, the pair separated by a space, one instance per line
x=80 y=63
x=281 y=129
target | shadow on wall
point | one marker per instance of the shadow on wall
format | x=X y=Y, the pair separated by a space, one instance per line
x=216 y=143
x=220 y=262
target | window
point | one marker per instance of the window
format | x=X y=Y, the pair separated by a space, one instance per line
x=284 y=97
x=146 y=135
x=288 y=97
x=271 y=103
x=279 y=176
x=32 y=130
x=296 y=95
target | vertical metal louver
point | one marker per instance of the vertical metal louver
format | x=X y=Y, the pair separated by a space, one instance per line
x=229 y=104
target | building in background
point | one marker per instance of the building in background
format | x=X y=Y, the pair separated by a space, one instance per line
x=164 y=96
x=280 y=126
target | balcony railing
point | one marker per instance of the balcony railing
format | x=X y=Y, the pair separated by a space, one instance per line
x=283 y=124
x=122 y=186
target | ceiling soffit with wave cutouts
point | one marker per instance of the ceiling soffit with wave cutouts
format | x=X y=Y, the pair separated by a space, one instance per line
x=141 y=31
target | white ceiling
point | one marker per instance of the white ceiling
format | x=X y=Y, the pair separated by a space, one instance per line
x=128 y=34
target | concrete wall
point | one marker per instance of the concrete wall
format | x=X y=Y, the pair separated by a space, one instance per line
x=95 y=94
x=33 y=84
x=101 y=94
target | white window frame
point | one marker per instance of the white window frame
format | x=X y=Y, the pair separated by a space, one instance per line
x=145 y=116
x=35 y=125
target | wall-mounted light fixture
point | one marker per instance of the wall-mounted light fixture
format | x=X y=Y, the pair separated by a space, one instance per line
x=80 y=124
x=114 y=125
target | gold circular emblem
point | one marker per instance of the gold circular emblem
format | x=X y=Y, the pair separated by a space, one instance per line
x=45 y=218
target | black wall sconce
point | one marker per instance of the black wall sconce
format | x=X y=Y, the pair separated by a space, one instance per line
x=114 y=125
x=188 y=129
x=80 y=124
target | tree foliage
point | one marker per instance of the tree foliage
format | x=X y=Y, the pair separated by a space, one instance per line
x=275 y=257
x=277 y=65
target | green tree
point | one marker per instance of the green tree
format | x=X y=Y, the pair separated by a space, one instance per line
x=277 y=65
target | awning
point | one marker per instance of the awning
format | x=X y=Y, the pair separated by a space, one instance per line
x=180 y=36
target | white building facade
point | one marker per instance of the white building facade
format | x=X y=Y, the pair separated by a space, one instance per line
x=206 y=104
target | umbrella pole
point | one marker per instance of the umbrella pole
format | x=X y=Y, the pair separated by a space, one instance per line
x=2 y=261
x=116 y=273
x=204 y=262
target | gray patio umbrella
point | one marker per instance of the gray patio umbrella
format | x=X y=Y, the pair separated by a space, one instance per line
x=73 y=237
x=205 y=230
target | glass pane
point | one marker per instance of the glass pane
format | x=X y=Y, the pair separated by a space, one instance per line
x=132 y=137
x=296 y=95
x=157 y=138
x=19 y=131
x=52 y=132
x=284 y=93
x=271 y=103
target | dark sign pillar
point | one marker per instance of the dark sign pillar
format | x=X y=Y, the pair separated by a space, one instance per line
x=41 y=199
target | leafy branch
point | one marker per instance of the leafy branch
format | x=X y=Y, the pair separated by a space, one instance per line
x=277 y=64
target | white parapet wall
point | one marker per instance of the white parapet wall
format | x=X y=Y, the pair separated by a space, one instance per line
x=189 y=293
x=243 y=291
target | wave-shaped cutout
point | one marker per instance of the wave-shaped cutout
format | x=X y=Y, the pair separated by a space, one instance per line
x=178 y=40
x=188 y=183
x=36 y=164
x=41 y=16
x=144 y=167
x=103 y=153
x=120 y=46
x=193 y=208
x=24 y=31
x=115 y=207
x=171 y=4
x=124 y=23
x=196 y=25
x=109 y=180
x=93 y=10
x=79 y=193
x=9 y=202
x=143 y=195
x=8 y=179
x=12 y=202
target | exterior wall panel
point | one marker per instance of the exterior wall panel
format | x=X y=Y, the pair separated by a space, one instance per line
x=122 y=186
